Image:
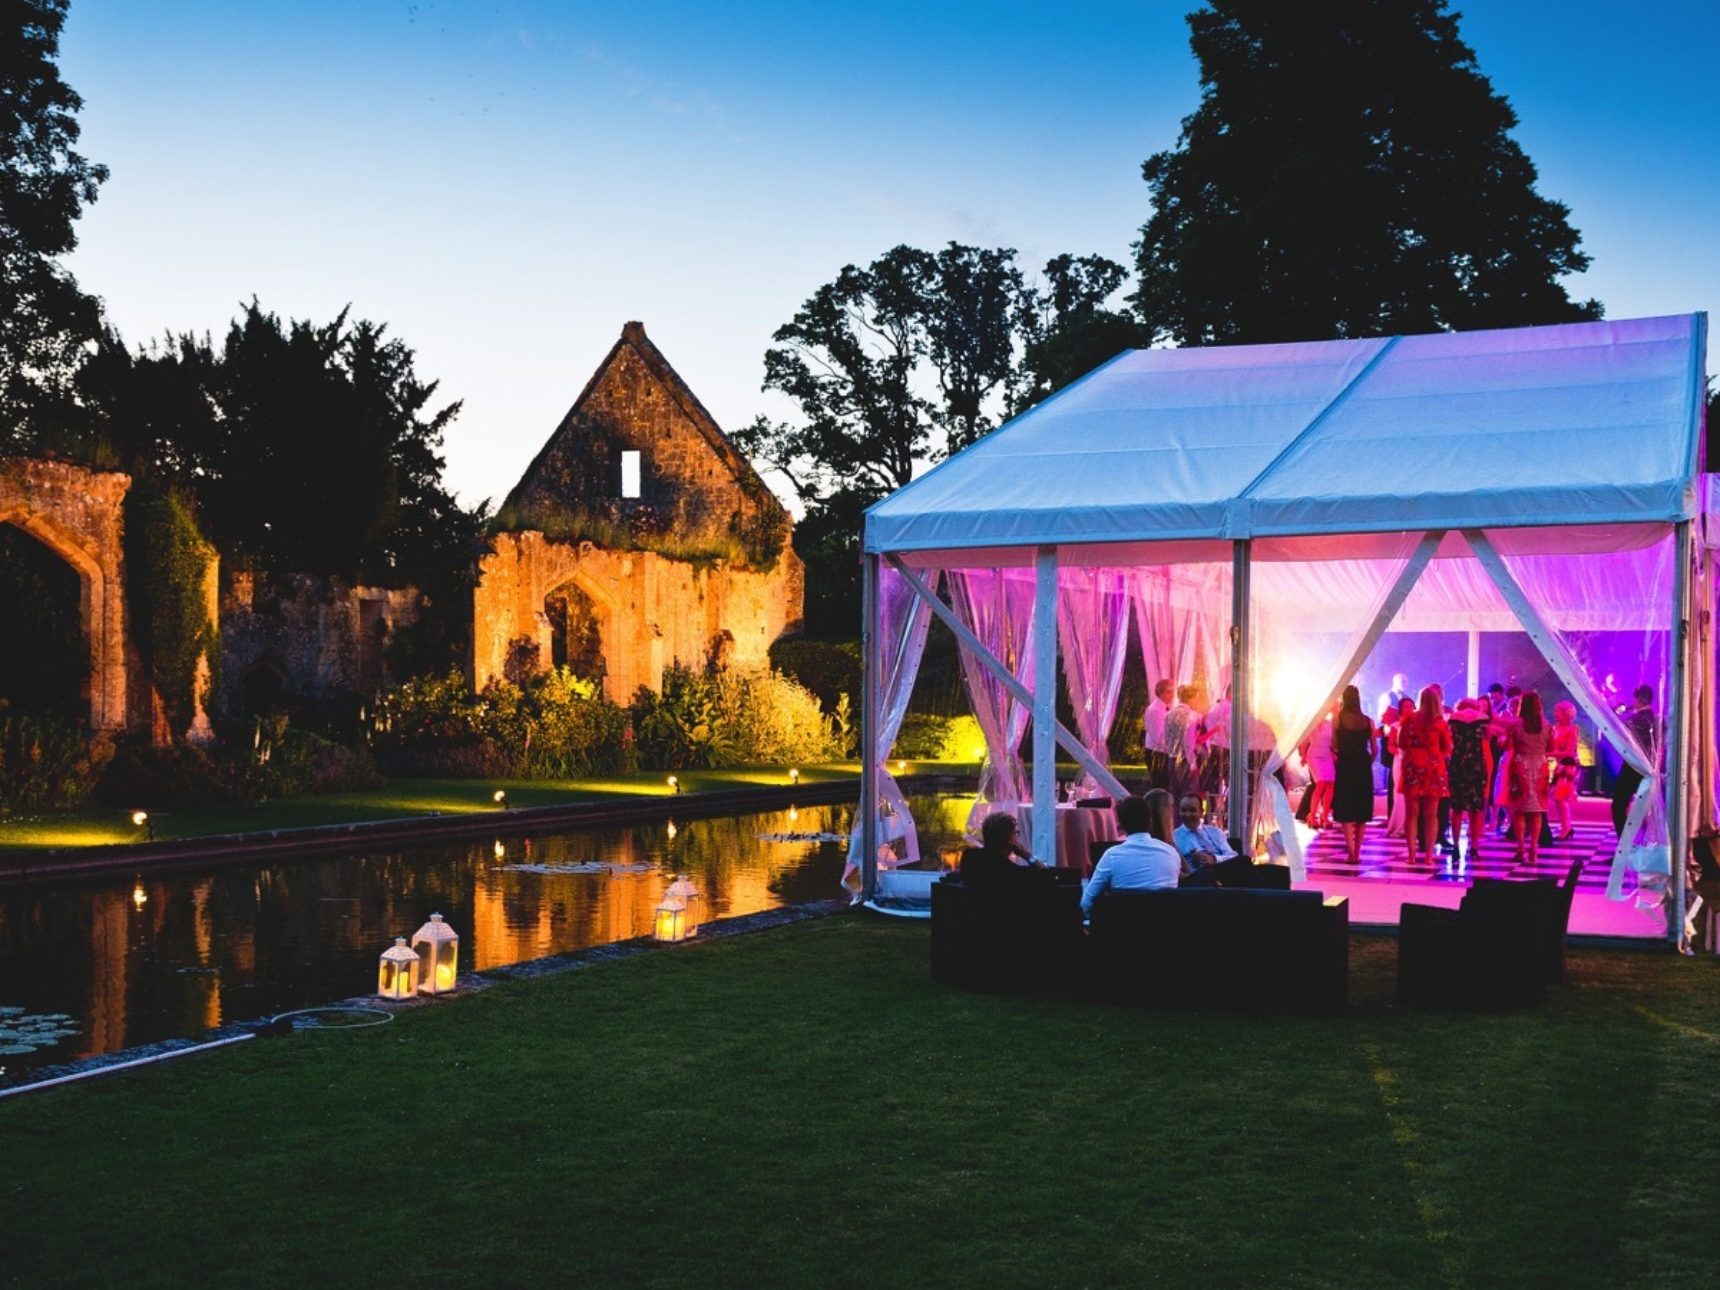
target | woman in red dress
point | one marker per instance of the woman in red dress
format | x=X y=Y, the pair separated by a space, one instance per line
x=1424 y=743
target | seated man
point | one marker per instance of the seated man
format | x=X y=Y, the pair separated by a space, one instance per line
x=995 y=857
x=1198 y=843
x=1141 y=861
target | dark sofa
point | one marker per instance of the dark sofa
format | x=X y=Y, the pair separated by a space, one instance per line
x=1499 y=948
x=1224 y=947
x=1022 y=933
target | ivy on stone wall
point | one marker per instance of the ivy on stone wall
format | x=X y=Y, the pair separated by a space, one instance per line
x=166 y=563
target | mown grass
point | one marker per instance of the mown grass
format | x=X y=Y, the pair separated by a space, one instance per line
x=805 y=1107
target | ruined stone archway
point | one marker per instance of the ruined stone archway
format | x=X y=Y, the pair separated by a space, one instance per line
x=75 y=513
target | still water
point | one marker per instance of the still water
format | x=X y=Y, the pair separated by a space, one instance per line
x=95 y=967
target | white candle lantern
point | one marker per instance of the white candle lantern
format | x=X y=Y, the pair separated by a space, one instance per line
x=439 y=947
x=671 y=922
x=397 y=976
x=691 y=900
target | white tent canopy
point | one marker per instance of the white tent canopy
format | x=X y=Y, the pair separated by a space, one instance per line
x=1591 y=423
x=1415 y=483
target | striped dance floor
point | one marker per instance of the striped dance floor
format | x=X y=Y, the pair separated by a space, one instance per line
x=1385 y=879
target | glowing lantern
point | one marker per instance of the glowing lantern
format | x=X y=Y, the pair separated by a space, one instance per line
x=500 y=798
x=794 y=777
x=671 y=922
x=674 y=784
x=439 y=946
x=691 y=900
x=140 y=819
x=397 y=974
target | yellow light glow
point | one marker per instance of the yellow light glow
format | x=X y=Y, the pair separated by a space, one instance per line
x=499 y=797
x=444 y=976
x=139 y=896
x=901 y=766
x=500 y=850
x=140 y=818
x=674 y=784
x=671 y=830
x=794 y=777
x=793 y=815
x=670 y=923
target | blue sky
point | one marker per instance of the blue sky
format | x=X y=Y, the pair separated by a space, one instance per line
x=506 y=183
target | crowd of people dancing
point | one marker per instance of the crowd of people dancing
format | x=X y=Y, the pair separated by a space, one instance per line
x=1495 y=764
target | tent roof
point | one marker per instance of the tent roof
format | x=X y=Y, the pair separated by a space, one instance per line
x=1581 y=423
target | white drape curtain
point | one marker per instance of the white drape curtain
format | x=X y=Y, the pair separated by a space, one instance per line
x=1639 y=585
x=1299 y=666
x=1092 y=627
x=997 y=606
x=903 y=621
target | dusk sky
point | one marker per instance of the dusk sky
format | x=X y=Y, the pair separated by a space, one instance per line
x=505 y=184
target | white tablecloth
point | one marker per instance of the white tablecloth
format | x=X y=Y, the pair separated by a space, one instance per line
x=1077 y=826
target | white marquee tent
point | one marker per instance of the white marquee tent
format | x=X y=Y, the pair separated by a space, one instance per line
x=1269 y=511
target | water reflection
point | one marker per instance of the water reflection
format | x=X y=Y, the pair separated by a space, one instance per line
x=137 y=960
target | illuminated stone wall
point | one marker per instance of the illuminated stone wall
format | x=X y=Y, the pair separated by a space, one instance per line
x=651 y=612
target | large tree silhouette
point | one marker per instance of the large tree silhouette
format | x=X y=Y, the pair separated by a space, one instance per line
x=1349 y=172
x=45 y=320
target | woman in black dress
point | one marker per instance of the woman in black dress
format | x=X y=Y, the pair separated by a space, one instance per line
x=1353 y=793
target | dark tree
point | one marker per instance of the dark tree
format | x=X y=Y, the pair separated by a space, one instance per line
x=45 y=320
x=905 y=361
x=310 y=448
x=1349 y=172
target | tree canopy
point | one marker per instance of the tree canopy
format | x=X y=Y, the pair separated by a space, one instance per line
x=1349 y=171
x=311 y=447
x=45 y=319
x=907 y=360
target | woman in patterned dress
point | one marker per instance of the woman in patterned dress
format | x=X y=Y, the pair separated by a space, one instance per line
x=1527 y=741
x=1471 y=772
x=1424 y=743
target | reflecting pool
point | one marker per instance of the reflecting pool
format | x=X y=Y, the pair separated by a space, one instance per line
x=93 y=967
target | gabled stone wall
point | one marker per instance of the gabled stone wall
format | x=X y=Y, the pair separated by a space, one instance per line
x=650 y=612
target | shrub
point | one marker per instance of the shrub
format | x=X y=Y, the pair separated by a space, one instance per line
x=736 y=717
x=551 y=726
x=166 y=562
x=830 y=669
x=272 y=763
x=48 y=764
x=927 y=737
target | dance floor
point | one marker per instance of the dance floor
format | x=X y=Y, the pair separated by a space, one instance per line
x=1385 y=880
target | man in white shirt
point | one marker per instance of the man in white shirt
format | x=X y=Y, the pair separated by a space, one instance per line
x=1141 y=861
x=1388 y=701
x=1198 y=843
x=1158 y=751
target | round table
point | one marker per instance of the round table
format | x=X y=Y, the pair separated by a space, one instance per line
x=1077 y=828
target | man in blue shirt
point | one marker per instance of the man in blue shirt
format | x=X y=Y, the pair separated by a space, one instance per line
x=1199 y=844
x=1141 y=861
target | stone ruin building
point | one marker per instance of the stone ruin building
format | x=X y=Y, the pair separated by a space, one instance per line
x=75 y=517
x=638 y=538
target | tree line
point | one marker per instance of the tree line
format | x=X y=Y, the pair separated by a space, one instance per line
x=1347 y=171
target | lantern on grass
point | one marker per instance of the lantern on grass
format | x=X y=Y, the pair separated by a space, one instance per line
x=691 y=900
x=794 y=776
x=439 y=946
x=397 y=975
x=670 y=924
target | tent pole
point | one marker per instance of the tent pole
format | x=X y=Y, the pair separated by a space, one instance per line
x=1472 y=667
x=1239 y=695
x=1677 y=732
x=871 y=652
x=1045 y=704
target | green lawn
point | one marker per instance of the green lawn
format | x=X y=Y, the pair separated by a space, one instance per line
x=805 y=1107
x=401 y=797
